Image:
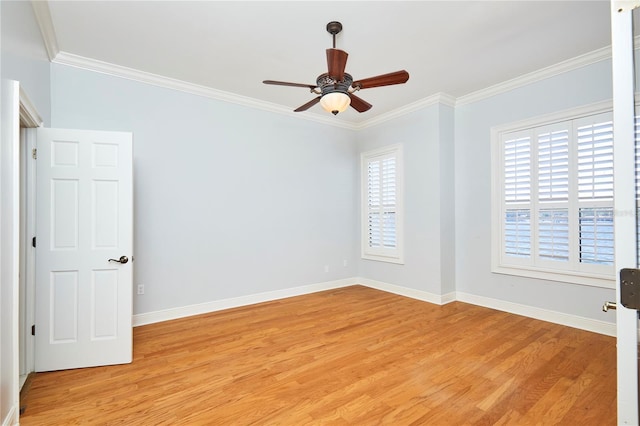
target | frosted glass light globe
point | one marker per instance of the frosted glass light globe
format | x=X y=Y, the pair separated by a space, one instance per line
x=335 y=102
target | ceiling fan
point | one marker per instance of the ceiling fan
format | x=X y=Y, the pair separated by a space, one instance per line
x=336 y=88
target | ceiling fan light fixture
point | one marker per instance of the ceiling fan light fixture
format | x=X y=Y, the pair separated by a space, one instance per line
x=335 y=87
x=335 y=102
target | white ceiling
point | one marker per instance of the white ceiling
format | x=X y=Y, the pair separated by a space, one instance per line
x=454 y=47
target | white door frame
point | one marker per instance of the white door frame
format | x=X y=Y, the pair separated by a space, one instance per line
x=29 y=118
x=9 y=250
x=624 y=203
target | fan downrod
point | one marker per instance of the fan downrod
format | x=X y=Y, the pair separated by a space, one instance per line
x=333 y=28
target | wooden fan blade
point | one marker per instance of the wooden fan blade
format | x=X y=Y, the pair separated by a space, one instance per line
x=359 y=104
x=285 y=83
x=336 y=62
x=308 y=105
x=397 y=77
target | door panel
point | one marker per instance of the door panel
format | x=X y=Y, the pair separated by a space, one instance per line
x=84 y=218
x=624 y=206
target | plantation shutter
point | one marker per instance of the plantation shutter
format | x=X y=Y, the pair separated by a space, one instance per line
x=557 y=196
x=595 y=189
x=553 y=166
x=517 y=195
x=553 y=192
x=595 y=161
x=553 y=231
x=517 y=170
x=374 y=174
x=381 y=202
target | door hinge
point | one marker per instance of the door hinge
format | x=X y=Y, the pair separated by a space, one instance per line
x=33 y=330
x=34 y=153
x=33 y=241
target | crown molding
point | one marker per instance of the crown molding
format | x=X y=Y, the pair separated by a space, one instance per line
x=43 y=17
x=95 y=65
x=438 y=98
x=77 y=61
x=541 y=74
x=535 y=76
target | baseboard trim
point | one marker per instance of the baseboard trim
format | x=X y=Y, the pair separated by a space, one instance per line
x=588 y=324
x=425 y=296
x=11 y=418
x=582 y=323
x=235 y=302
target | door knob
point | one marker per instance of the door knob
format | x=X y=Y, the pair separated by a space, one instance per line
x=123 y=260
x=609 y=305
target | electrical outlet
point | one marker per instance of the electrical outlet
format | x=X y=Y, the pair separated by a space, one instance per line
x=140 y=288
x=344 y=263
x=326 y=268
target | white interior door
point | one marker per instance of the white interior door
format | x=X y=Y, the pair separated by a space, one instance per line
x=625 y=204
x=84 y=217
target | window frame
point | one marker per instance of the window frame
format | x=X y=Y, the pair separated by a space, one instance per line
x=587 y=274
x=395 y=255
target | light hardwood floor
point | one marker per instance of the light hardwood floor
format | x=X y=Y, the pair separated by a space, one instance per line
x=349 y=356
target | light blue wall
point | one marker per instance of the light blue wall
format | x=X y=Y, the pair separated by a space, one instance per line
x=473 y=122
x=229 y=200
x=447 y=199
x=24 y=57
x=232 y=201
x=422 y=134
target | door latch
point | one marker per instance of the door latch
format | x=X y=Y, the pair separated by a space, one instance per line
x=630 y=288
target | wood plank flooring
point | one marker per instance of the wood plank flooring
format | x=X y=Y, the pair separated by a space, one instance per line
x=352 y=356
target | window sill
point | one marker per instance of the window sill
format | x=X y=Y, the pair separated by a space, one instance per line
x=381 y=258
x=592 y=280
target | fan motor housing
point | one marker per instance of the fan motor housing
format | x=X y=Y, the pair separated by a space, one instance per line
x=328 y=84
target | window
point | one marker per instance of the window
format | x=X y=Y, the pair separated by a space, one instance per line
x=553 y=199
x=382 y=202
